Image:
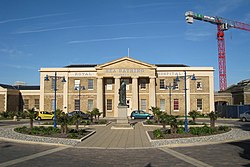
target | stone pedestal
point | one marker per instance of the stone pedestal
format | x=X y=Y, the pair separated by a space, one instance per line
x=122 y=115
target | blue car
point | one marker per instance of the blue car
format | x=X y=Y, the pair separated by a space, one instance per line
x=140 y=114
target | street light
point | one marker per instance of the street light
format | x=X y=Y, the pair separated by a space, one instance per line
x=170 y=87
x=55 y=77
x=185 y=89
x=79 y=88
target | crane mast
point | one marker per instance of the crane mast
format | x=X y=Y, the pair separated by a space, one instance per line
x=222 y=25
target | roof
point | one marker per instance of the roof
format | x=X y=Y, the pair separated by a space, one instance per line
x=27 y=87
x=7 y=86
x=171 y=65
x=94 y=65
x=243 y=85
x=20 y=87
x=81 y=65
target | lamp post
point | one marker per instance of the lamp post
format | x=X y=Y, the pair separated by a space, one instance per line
x=185 y=92
x=55 y=77
x=79 y=94
x=170 y=87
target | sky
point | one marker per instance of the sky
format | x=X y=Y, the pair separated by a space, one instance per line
x=57 y=33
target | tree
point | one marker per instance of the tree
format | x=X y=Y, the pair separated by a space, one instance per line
x=63 y=119
x=173 y=124
x=194 y=114
x=157 y=113
x=32 y=115
x=170 y=120
x=164 y=118
x=76 y=118
x=213 y=117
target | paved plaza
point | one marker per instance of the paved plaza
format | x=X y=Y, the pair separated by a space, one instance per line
x=123 y=147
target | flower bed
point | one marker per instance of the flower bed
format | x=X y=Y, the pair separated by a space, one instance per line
x=52 y=132
x=193 y=132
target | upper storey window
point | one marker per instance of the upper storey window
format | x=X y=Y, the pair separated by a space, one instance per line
x=90 y=84
x=143 y=83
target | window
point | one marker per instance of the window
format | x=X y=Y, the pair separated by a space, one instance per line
x=77 y=84
x=162 y=84
x=109 y=83
x=143 y=83
x=199 y=104
x=198 y=85
x=176 y=104
x=109 y=104
x=77 y=105
x=37 y=103
x=90 y=84
x=52 y=104
x=90 y=104
x=162 y=104
x=176 y=84
x=143 y=104
x=26 y=104
x=53 y=83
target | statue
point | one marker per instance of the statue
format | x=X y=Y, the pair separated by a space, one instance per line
x=122 y=94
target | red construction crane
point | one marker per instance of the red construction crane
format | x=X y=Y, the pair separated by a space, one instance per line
x=222 y=25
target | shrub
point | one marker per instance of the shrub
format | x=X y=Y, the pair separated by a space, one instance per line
x=202 y=130
x=181 y=130
x=149 y=122
x=103 y=121
x=223 y=128
x=180 y=122
x=157 y=133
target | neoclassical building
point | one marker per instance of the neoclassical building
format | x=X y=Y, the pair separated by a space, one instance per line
x=147 y=85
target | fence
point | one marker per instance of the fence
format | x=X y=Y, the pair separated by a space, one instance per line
x=232 y=111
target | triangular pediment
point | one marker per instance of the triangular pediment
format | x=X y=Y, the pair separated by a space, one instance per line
x=126 y=62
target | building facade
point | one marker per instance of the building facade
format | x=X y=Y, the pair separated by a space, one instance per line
x=19 y=97
x=147 y=85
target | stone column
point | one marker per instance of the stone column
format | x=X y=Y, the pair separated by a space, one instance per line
x=116 y=95
x=99 y=102
x=135 y=97
x=152 y=91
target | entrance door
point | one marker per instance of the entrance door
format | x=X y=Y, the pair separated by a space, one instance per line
x=129 y=104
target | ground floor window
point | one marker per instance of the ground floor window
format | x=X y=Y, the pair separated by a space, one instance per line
x=162 y=104
x=53 y=104
x=176 y=104
x=143 y=104
x=37 y=103
x=109 y=104
x=199 y=104
x=90 y=104
x=26 y=104
x=77 y=105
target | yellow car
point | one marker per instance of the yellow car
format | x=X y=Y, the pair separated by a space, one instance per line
x=44 y=115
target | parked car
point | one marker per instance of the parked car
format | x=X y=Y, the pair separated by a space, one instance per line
x=82 y=114
x=245 y=116
x=140 y=114
x=44 y=115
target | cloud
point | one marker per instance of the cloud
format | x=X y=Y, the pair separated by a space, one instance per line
x=14 y=53
x=91 y=26
x=158 y=4
x=31 y=18
x=26 y=67
x=196 y=35
x=227 y=6
x=121 y=38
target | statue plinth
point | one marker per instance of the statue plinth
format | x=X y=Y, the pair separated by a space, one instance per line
x=122 y=115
